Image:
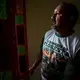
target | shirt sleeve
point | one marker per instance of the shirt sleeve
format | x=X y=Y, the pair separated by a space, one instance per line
x=41 y=44
x=72 y=70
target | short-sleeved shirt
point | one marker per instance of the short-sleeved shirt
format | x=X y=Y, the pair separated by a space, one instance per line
x=64 y=48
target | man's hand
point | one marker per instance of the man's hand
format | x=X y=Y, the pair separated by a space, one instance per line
x=50 y=56
x=46 y=54
x=31 y=70
x=36 y=63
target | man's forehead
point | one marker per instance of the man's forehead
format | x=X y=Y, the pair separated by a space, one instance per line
x=55 y=10
x=58 y=9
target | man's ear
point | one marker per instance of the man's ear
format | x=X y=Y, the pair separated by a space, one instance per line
x=71 y=18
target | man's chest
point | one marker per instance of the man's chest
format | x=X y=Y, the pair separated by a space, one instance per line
x=57 y=46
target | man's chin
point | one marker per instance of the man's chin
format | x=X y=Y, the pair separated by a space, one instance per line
x=55 y=26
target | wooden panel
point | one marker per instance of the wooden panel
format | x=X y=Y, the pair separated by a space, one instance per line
x=19 y=7
x=21 y=50
x=6 y=75
x=22 y=63
x=3 y=14
x=19 y=19
x=4 y=51
x=20 y=35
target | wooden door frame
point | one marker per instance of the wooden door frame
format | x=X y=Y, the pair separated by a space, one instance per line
x=11 y=36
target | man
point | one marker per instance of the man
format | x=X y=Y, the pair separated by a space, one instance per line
x=60 y=52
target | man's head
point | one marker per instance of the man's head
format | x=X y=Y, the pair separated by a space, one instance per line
x=65 y=14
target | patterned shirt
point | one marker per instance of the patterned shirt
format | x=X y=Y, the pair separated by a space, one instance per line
x=64 y=48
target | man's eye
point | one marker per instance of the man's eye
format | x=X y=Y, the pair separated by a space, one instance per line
x=55 y=14
x=59 y=14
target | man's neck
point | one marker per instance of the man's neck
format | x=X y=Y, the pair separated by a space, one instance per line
x=65 y=32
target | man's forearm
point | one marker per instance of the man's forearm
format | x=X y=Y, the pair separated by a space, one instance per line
x=73 y=68
x=38 y=61
x=69 y=72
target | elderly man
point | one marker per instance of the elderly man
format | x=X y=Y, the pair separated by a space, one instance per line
x=60 y=48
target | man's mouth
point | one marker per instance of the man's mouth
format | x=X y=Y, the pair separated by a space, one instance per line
x=53 y=25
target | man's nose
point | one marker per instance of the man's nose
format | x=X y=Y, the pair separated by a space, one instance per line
x=53 y=17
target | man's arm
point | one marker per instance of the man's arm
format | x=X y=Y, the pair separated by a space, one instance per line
x=72 y=70
x=38 y=60
x=39 y=57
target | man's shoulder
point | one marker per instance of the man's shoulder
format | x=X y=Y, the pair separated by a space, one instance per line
x=49 y=32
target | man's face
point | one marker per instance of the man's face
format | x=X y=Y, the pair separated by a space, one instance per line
x=58 y=16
